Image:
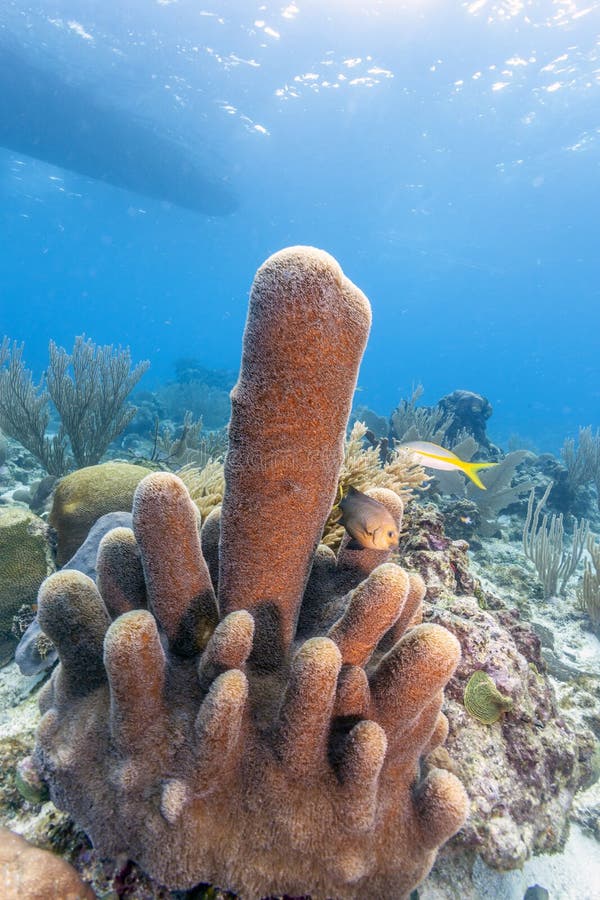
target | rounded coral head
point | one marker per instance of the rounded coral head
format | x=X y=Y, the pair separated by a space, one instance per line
x=302 y=270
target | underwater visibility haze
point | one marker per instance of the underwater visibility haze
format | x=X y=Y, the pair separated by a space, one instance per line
x=320 y=618
x=445 y=153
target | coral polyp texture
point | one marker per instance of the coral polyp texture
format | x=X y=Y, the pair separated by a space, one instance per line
x=267 y=736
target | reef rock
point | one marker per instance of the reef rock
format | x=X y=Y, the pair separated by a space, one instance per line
x=521 y=773
x=442 y=563
x=469 y=413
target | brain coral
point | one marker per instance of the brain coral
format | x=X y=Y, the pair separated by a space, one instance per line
x=260 y=738
x=24 y=561
x=86 y=494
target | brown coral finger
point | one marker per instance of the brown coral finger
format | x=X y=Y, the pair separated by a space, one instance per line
x=410 y=614
x=288 y=421
x=409 y=742
x=46 y=698
x=178 y=585
x=441 y=805
x=45 y=735
x=439 y=734
x=358 y=770
x=218 y=729
x=72 y=614
x=352 y=696
x=411 y=674
x=305 y=715
x=318 y=594
x=228 y=648
x=135 y=664
x=363 y=755
x=419 y=732
x=209 y=539
x=373 y=607
x=120 y=576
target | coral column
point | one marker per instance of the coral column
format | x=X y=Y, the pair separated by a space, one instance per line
x=305 y=334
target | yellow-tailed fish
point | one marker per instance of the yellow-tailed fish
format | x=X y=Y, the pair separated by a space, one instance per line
x=433 y=456
x=369 y=523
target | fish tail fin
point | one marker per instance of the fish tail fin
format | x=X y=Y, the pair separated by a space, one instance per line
x=339 y=496
x=471 y=469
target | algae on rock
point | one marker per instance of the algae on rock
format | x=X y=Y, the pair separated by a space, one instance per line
x=483 y=700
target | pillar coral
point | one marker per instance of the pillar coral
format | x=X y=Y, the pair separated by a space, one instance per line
x=242 y=747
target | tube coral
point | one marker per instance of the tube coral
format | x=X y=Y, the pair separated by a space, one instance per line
x=290 y=408
x=242 y=749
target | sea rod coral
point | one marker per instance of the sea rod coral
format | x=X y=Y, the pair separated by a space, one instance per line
x=259 y=739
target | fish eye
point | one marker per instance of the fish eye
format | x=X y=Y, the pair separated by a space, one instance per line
x=390 y=534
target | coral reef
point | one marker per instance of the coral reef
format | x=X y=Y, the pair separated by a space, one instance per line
x=264 y=751
x=467 y=414
x=409 y=422
x=188 y=444
x=210 y=404
x=522 y=771
x=501 y=488
x=455 y=417
x=206 y=485
x=425 y=548
x=377 y=425
x=12 y=750
x=583 y=462
x=83 y=496
x=461 y=518
x=24 y=561
x=190 y=369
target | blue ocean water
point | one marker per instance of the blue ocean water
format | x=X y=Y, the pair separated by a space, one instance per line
x=446 y=153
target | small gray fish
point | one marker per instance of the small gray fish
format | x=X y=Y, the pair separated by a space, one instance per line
x=369 y=523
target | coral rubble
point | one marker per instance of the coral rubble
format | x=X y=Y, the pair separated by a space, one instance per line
x=226 y=737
